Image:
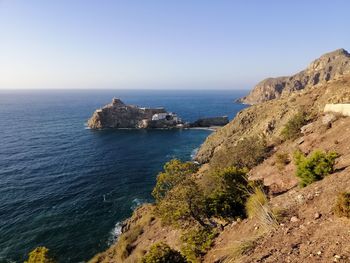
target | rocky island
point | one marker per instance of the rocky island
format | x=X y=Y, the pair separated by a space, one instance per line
x=118 y=115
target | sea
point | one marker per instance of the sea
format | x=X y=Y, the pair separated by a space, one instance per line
x=68 y=188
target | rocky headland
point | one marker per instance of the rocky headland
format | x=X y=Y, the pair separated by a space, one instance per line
x=279 y=142
x=329 y=66
x=118 y=115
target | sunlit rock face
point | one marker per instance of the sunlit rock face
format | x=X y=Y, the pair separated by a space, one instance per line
x=328 y=67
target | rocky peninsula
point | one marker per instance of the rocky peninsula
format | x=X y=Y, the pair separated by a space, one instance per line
x=118 y=115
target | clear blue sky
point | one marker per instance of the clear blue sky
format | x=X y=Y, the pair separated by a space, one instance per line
x=163 y=43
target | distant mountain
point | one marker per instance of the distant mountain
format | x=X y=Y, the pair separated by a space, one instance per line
x=328 y=67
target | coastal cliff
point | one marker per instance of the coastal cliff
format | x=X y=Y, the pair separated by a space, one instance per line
x=328 y=67
x=285 y=217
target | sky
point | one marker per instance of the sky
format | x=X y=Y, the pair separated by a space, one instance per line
x=163 y=44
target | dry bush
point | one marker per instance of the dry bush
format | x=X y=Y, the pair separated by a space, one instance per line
x=248 y=152
x=239 y=250
x=282 y=159
x=292 y=128
x=342 y=206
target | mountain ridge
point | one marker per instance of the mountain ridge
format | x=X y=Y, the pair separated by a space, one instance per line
x=327 y=67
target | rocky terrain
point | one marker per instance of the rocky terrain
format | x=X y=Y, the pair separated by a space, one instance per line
x=328 y=67
x=304 y=225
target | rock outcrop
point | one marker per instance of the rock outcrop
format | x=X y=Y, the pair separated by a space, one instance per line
x=328 y=67
x=208 y=122
x=118 y=115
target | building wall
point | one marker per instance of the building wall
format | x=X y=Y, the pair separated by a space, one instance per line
x=343 y=109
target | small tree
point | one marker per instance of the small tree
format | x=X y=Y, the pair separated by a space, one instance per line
x=315 y=167
x=162 y=253
x=174 y=172
x=185 y=202
x=230 y=193
x=39 y=255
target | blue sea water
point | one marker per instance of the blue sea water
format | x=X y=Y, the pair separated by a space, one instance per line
x=66 y=187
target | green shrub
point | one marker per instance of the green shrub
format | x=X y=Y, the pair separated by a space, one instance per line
x=174 y=172
x=315 y=167
x=196 y=243
x=228 y=197
x=162 y=253
x=248 y=152
x=184 y=203
x=291 y=130
x=282 y=159
x=39 y=255
x=342 y=206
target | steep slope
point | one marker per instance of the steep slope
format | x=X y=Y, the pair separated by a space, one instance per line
x=268 y=119
x=307 y=230
x=328 y=67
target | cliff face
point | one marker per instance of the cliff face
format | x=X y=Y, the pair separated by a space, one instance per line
x=328 y=67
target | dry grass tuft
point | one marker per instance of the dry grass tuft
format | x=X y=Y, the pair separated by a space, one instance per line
x=239 y=250
x=257 y=206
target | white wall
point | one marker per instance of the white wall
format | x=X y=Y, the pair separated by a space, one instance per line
x=343 y=109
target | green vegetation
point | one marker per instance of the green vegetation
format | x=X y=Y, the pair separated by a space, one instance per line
x=196 y=242
x=39 y=255
x=229 y=194
x=282 y=159
x=291 y=130
x=248 y=152
x=342 y=206
x=174 y=172
x=315 y=167
x=162 y=253
x=257 y=206
x=184 y=203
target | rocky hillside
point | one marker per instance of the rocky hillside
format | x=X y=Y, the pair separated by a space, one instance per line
x=287 y=222
x=328 y=67
x=268 y=119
